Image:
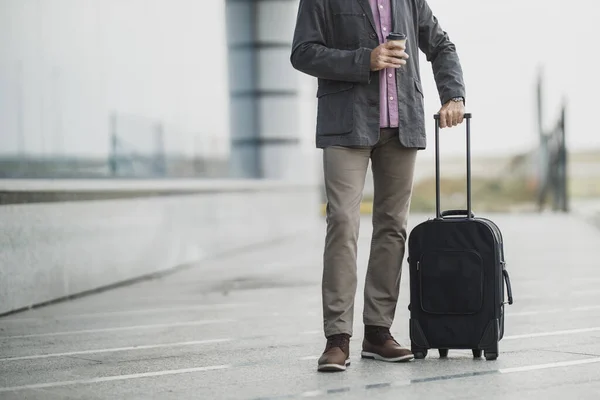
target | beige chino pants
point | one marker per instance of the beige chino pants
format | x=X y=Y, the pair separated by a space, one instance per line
x=345 y=171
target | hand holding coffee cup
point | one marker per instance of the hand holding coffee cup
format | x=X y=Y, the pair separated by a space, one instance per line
x=390 y=54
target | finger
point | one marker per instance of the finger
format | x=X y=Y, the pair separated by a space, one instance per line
x=389 y=65
x=399 y=61
x=394 y=61
x=453 y=118
x=399 y=54
x=394 y=66
x=442 y=119
x=459 y=115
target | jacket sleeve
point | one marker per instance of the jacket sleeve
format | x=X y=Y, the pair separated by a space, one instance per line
x=441 y=52
x=311 y=54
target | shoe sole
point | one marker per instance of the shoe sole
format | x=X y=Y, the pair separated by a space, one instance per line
x=373 y=356
x=333 y=367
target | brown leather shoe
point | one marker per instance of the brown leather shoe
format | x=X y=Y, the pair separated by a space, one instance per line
x=379 y=344
x=336 y=356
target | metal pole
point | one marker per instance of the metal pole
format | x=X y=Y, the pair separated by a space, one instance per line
x=544 y=170
x=438 y=213
x=469 y=202
x=20 y=112
x=540 y=110
x=564 y=159
x=113 y=145
x=160 y=162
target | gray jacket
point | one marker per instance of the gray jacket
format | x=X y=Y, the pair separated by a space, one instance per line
x=333 y=40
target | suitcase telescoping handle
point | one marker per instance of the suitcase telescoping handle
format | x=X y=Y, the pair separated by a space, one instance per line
x=468 y=212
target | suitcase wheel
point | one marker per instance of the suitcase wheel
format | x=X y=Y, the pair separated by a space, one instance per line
x=489 y=356
x=420 y=354
x=443 y=353
x=477 y=353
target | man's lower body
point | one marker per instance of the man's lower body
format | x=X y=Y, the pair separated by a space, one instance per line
x=345 y=171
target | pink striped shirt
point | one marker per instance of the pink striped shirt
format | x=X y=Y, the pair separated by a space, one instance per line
x=382 y=13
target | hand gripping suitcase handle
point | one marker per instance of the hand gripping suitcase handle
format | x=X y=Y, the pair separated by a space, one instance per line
x=468 y=213
x=508 y=287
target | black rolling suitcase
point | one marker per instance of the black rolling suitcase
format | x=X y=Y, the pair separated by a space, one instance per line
x=457 y=275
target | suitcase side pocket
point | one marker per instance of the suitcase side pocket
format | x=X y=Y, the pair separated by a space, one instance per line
x=451 y=282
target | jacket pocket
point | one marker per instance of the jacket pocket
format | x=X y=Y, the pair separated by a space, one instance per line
x=335 y=112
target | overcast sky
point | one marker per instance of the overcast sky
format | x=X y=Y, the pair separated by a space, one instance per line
x=159 y=59
x=501 y=44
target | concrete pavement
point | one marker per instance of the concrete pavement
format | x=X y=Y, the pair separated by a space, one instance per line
x=249 y=327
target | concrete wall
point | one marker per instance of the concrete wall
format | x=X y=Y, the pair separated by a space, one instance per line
x=54 y=249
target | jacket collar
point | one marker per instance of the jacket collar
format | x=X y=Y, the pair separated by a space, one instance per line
x=367 y=8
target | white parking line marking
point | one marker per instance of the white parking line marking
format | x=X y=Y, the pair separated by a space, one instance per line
x=114 y=378
x=550 y=365
x=573 y=293
x=117 y=349
x=553 y=311
x=582 y=293
x=586 y=308
x=123 y=328
x=552 y=333
x=539 y=312
x=124 y=312
x=313 y=393
x=585 y=280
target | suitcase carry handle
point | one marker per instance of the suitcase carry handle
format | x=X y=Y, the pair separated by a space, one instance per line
x=468 y=213
x=449 y=213
x=508 y=288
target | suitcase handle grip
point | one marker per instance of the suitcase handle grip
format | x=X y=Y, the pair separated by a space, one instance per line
x=448 y=213
x=508 y=287
x=467 y=117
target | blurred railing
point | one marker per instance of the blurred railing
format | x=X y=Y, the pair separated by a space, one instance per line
x=136 y=149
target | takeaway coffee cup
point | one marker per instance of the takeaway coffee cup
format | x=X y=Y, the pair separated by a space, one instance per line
x=400 y=37
x=397 y=37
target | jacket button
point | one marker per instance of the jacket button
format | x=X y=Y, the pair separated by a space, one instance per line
x=373 y=36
